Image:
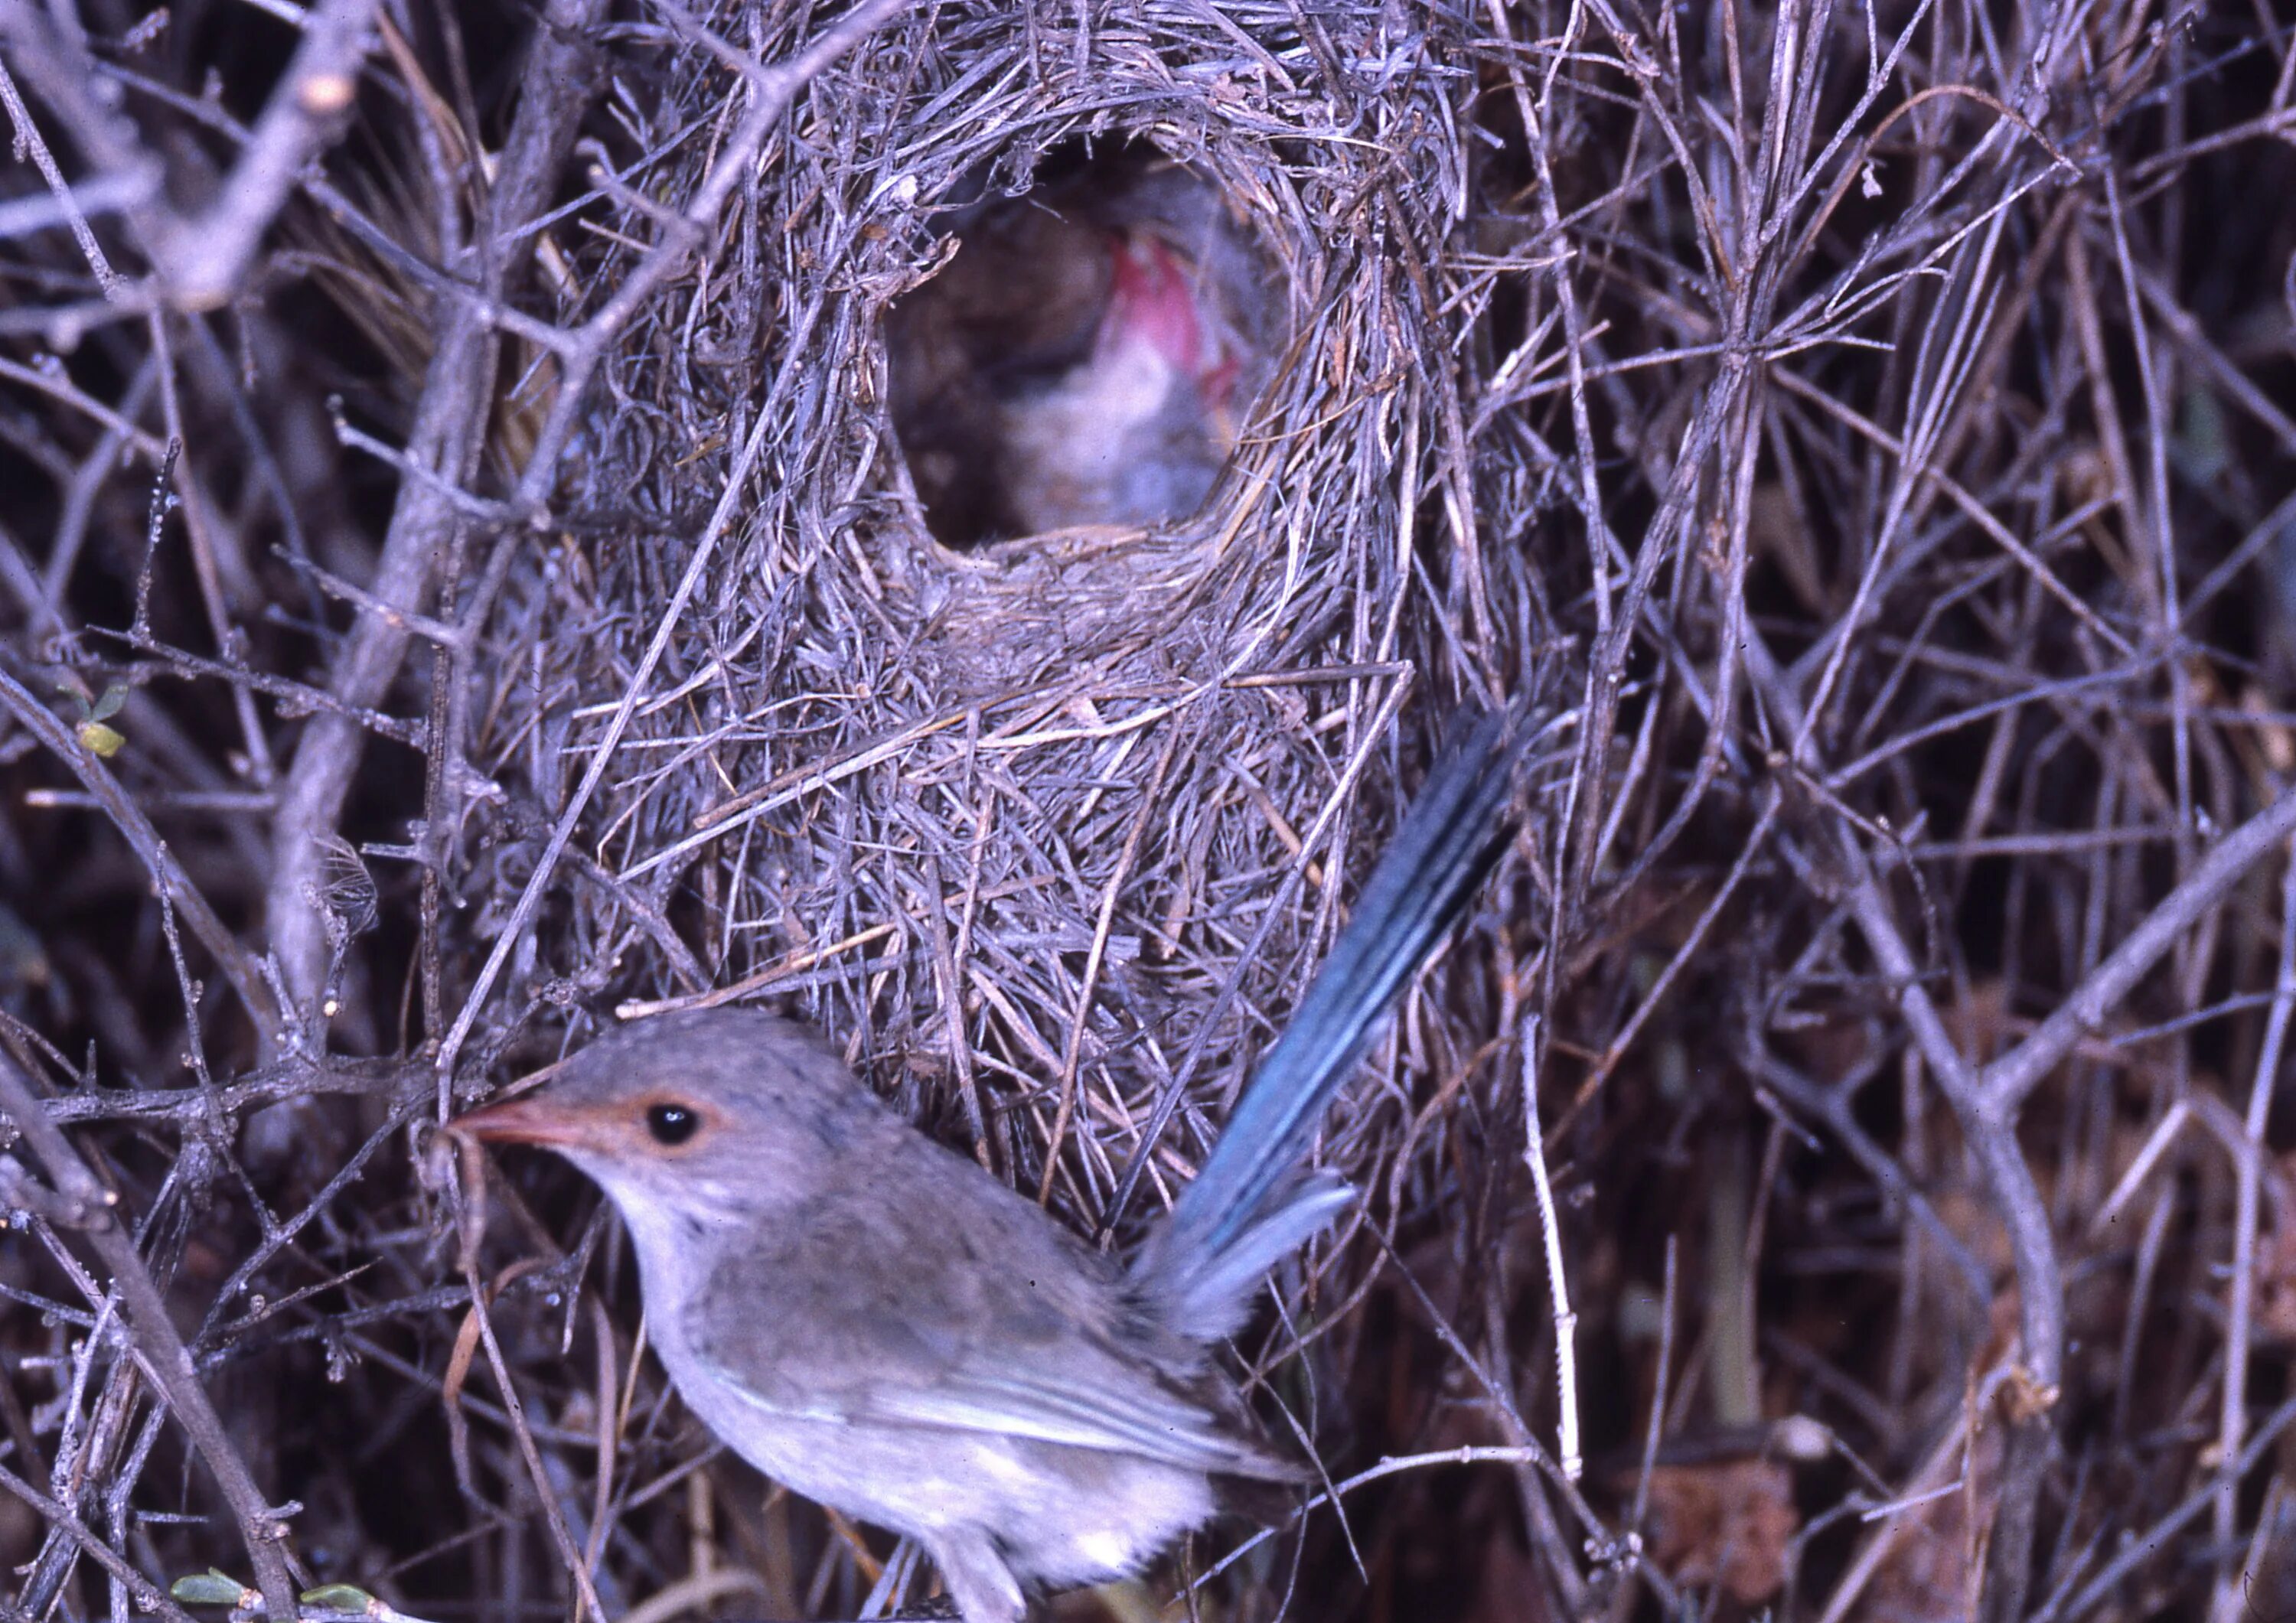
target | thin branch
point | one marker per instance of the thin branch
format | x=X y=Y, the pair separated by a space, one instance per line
x=204 y=259
x=2009 y=1080
x=239 y=966
x=161 y=1350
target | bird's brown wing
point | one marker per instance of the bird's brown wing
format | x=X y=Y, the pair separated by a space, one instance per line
x=889 y=1313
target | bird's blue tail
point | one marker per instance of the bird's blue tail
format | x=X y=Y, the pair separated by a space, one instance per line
x=1248 y=1209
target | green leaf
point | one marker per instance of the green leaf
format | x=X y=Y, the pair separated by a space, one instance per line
x=212 y=1588
x=342 y=1597
x=108 y=706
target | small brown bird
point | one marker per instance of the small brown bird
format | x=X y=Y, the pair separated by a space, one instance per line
x=873 y=1320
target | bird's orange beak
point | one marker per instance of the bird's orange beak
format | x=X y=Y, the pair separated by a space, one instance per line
x=533 y=1119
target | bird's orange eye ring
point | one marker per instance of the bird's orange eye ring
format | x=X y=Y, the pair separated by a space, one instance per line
x=672 y=1124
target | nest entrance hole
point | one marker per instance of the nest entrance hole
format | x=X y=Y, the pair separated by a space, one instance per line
x=1088 y=355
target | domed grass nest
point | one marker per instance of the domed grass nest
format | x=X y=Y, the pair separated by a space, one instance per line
x=1049 y=832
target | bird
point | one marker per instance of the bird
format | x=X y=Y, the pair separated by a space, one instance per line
x=1137 y=431
x=1081 y=356
x=882 y=1325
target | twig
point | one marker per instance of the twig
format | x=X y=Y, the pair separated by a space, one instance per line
x=2248 y=1177
x=162 y=1351
x=28 y=142
x=2008 y=1080
x=1567 y=1452
x=146 y=1594
x=238 y=966
x=204 y=259
x=2137 y=1551
x=577 y=1571
x=449 y=425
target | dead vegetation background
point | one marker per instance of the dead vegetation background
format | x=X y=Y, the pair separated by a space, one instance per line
x=460 y=591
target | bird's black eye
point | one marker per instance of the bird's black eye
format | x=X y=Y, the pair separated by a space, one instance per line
x=672 y=1125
